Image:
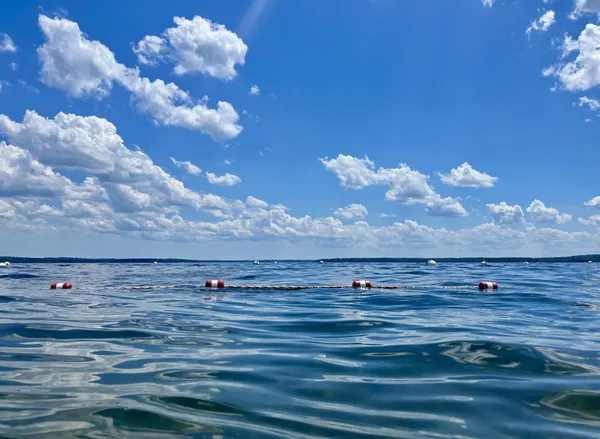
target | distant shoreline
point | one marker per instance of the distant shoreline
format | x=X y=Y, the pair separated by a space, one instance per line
x=68 y=260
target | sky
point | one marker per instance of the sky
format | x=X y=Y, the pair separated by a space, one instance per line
x=274 y=129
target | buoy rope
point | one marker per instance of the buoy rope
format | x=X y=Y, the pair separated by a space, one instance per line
x=357 y=284
x=303 y=287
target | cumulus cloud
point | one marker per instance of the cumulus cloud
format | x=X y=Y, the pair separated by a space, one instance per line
x=582 y=72
x=22 y=175
x=91 y=145
x=150 y=50
x=189 y=167
x=256 y=202
x=594 y=202
x=7 y=44
x=488 y=3
x=445 y=207
x=504 y=214
x=257 y=220
x=223 y=180
x=353 y=173
x=543 y=23
x=124 y=192
x=585 y=6
x=465 y=176
x=255 y=90
x=82 y=67
x=352 y=212
x=7 y=212
x=593 y=220
x=405 y=185
x=195 y=46
x=542 y=214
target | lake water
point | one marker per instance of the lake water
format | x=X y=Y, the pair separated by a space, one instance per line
x=102 y=362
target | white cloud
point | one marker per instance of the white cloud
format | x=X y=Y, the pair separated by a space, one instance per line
x=255 y=202
x=466 y=176
x=256 y=220
x=593 y=220
x=7 y=212
x=387 y=215
x=73 y=63
x=150 y=50
x=542 y=214
x=223 y=180
x=543 y=23
x=92 y=145
x=22 y=175
x=488 y=3
x=405 y=185
x=82 y=209
x=352 y=212
x=594 y=202
x=445 y=207
x=583 y=72
x=228 y=162
x=195 y=46
x=547 y=235
x=82 y=67
x=585 y=6
x=353 y=173
x=7 y=44
x=189 y=167
x=592 y=103
x=255 y=90
x=14 y=66
x=505 y=214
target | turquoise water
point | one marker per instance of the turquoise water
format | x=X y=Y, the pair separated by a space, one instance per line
x=103 y=362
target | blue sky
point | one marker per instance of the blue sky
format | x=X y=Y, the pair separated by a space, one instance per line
x=272 y=129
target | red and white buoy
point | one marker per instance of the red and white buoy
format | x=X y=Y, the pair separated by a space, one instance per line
x=361 y=284
x=61 y=286
x=488 y=286
x=215 y=284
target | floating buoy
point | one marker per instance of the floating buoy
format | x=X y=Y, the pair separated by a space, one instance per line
x=361 y=284
x=484 y=263
x=526 y=263
x=256 y=263
x=321 y=262
x=488 y=286
x=155 y=262
x=61 y=286
x=431 y=263
x=215 y=284
x=589 y=262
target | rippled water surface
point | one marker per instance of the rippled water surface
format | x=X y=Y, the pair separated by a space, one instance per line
x=99 y=361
